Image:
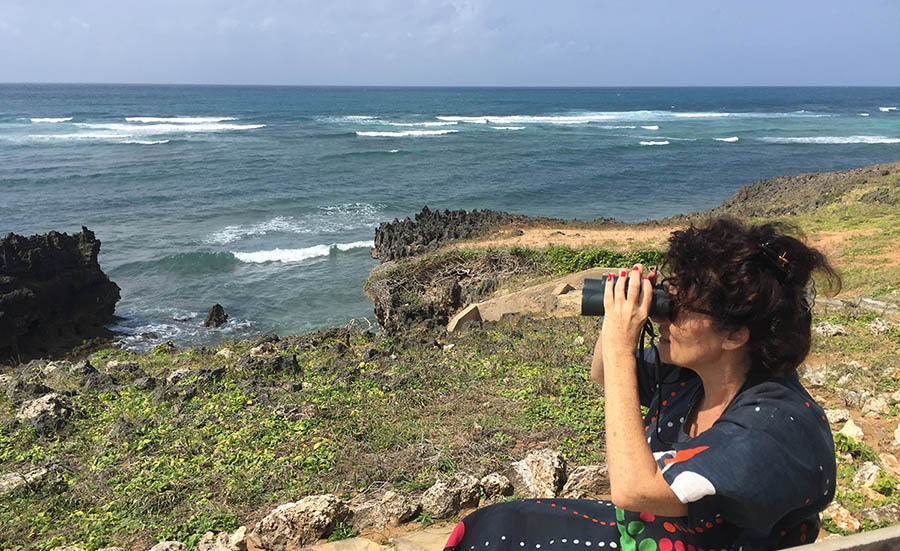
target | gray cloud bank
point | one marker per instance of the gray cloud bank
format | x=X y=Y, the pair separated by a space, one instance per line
x=452 y=42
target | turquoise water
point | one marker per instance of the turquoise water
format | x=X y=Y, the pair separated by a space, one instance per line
x=265 y=199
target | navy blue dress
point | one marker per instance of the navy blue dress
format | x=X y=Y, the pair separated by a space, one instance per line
x=756 y=480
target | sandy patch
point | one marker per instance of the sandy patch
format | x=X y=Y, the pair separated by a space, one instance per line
x=620 y=237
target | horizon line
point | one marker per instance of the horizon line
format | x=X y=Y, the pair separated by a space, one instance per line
x=447 y=86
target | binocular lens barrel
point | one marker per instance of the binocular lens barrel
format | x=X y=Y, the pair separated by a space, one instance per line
x=594 y=289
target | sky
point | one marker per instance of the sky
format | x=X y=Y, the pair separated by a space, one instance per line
x=453 y=42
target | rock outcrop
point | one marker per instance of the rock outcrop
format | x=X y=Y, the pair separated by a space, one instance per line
x=432 y=228
x=53 y=294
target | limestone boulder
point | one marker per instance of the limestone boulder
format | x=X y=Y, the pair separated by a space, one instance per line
x=440 y=501
x=878 y=405
x=496 y=485
x=813 y=376
x=468 y=489
x=169 y=546
x=836 y=415
x=48 y=414
x=540 y=474
x=224 y=541
x=866 y=475
x=587 y=482
x=887 y=514
x=10 y=482
x=390 y=510
x=890 y=463
x=841 y=517
x=852 y=430
x=825 y=329
x=298 y=524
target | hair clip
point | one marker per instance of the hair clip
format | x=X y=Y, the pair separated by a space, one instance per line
x=779 y=260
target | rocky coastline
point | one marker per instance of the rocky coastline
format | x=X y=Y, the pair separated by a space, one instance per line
x=281 y=442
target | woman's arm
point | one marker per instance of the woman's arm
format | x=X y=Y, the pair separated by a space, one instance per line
x=597 y=362
x=635 y=480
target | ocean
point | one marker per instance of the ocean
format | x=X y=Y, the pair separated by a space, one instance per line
x=266 y=199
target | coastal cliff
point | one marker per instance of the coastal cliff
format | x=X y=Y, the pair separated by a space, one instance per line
x=53 y=294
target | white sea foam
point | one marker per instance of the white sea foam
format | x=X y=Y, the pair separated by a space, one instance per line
x=406 y=133
x=333 y=219
x=887 y=109
x=109 y=136
x=863 y=114
x=833 y=139
x=609 y=116
x=147 y=142
x=299 y=255
x=357 y=117
x=180 y=120
x=167 y=128
x=613 y=127
x=664 y=142
x=51 y=119
x=508 y=127
x=729 y=140
x=651 y=127
x=426 y=123
x=394 y=151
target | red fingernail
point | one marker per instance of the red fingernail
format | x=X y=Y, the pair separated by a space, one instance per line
x=609 y=278
x=635 y=268
x=624 y=273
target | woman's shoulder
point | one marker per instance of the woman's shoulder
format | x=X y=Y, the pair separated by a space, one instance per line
x=778 y=405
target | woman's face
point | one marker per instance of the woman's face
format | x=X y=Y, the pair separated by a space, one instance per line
x=691 y=340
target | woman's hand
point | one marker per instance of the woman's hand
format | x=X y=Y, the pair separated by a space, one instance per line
x=625 y=316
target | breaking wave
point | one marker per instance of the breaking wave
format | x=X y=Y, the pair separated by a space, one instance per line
x=299 y=255
x=405 y=133
x=427 y=123
x=51 y=119
x=651 y=127
x=663 y=142
x=833 y=140
x=180 y=120
x=887 y=109
x=730 y=140
x=331 y=219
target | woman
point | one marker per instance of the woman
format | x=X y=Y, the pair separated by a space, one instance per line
x=733 y=452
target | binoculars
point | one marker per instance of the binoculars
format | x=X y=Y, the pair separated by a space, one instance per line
x=661 y=305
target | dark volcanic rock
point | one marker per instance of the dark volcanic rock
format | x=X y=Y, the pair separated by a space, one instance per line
x=216 y=317
x=53 y=294
x=432 y=228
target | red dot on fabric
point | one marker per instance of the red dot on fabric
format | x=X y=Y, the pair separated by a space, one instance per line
x=653 y=419
x=709 y=525
x=807 y=500
x=612 y=523
x=691 y=547
x=802 y=538
x=552 y=505
x=672 y=393
x=563 y=508
x=823 y=417
x=601 y=522
x=538 y=501
x=691 y=531
x=594 y=520
x=668 y=526
x=574 y=512
x=456 y=535
x=807 y=404
x=803 y=527
x=585 y=516
x=665 y=544
x=647 y=517
x=782 y=533
x=647 y=428
x=679 y=545
x=719 y=521
x=683 y=384
x=699 y=529
x=665 y=402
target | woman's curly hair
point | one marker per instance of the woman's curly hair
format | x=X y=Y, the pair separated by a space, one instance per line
x=754 y=276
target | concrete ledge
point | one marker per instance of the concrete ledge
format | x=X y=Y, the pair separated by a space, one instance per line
x=883 y=539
